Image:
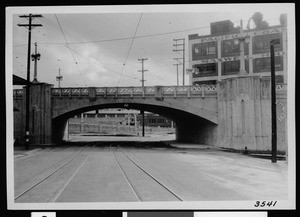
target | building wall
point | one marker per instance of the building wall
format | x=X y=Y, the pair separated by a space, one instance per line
x=218 y=57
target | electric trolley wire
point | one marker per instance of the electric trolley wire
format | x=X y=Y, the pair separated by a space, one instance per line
x=67 y=45
x=130 y=48
x=89 y=60
x=128 y=38
x=93 y=62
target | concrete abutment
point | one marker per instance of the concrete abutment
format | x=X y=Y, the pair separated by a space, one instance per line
x=244 y=114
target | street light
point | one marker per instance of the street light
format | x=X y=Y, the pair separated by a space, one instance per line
x=35 y=57
x=241 y=41
x=273 y=101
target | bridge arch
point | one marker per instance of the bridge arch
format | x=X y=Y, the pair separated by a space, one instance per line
x=190 y=125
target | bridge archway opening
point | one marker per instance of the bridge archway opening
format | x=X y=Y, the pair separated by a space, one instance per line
x=189 y=127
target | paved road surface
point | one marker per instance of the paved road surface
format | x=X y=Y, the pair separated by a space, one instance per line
x=116 y=172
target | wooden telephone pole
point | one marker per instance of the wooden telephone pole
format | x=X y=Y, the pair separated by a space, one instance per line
x=143 y=80
x=30 y=26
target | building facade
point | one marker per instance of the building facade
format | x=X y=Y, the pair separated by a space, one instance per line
x=216 y=56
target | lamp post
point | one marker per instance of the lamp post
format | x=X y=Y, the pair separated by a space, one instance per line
x=35 y=57
x=241 y=41
x=273 y=101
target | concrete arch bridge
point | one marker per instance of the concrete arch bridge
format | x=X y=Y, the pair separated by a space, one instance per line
x=230 y=114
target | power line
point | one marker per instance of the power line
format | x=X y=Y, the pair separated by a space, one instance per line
x=142 y=36
x=69 y=48
x=51 y=24
x=90 y=61
x=127 y=38
x=130 y=47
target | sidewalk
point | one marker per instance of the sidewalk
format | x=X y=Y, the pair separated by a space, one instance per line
x=20 y=151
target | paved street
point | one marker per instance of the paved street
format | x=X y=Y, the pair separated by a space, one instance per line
x=132 y=171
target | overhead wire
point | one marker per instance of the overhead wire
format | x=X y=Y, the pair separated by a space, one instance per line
x=124 y=64
x=112 y=40
x=93 y=62
x=67 y=45
x=127 y=38
x=89 y=60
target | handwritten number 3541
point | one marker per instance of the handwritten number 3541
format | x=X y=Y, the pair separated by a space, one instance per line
x=265 y=203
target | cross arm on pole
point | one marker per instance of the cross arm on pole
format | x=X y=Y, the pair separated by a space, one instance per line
x=30 y=15
x=33 y=25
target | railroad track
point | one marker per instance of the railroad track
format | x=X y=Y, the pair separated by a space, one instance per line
x=52 y=185
x=71 y=158
x=118 y=150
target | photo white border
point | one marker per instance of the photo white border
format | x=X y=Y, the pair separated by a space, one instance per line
x=197 y=205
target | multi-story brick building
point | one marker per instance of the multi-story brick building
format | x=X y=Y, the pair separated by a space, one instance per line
x=217 y=56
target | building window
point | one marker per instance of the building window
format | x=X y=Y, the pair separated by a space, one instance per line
x=261 y=43
x=264 y=64
x=229 y=48
x=204 y=50
x=279 y=79
x=231 y=67
x=210 y=49
x=205 y=70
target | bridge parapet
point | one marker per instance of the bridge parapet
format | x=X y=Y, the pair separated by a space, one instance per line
x=181 y=91
x=151 y=91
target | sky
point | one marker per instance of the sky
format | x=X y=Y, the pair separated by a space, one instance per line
x=100 y=46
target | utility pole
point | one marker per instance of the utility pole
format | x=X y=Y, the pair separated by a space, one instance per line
x=59 y=78
x=273 y=101
x=35 y=57
x=143 y=70
x=30 y=25
x=177 y=64
x=181 y=48
x=143 y=80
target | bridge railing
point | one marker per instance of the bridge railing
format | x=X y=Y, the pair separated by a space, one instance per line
x=136 y=91
x=201 y=90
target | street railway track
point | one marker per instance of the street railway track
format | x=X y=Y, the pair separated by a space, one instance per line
x=147 y=173
x=71 y=158
x=122 y=160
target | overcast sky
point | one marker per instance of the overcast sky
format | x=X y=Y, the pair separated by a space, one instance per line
x=100 y=46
